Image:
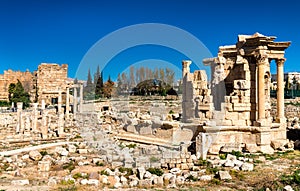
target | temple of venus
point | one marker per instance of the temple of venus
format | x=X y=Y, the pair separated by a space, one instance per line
x=233 y=111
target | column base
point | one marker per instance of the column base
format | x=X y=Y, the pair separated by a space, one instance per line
x=262 y=123
x=281 y=120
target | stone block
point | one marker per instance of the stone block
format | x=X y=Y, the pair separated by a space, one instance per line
x=20 y=182
x=35 y=155
x=44 y=166
x=234 y=99
x=239 y=123
x=241 y=84
x=275 y=144
x=226 y=122
x=146 y=130
x=167 y=154
x=241 y=106
x=263 y=138
x=244 y=115
x=224 y=175
x=175 y=154
x=82 y=151
x=231 y=115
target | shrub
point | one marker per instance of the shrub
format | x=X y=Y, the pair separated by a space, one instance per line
x=294 y=178
x=132 y=145
x=103 y=172
x=67 y=182
x=191 y=178
x=70 y=166
x=79 y=175
x=98 y=163
x=43 y=153
x=154 y=159
x=128 y=171
x=156 y=171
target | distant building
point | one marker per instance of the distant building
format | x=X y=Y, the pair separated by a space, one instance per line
x=290 y=77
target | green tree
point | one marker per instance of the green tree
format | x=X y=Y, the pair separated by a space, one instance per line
x=18 y=94
x=97 y=75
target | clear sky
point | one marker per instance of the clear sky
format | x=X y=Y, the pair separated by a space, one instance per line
x=62 y=31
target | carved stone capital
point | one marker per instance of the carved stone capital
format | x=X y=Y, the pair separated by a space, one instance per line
x=280 y=62
x=262 y=59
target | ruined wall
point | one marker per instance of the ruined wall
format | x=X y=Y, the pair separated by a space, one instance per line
x=196 y=98
x=50 y=79
x=9 y=77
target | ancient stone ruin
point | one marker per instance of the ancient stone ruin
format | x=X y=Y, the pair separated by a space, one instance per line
x=235 y=108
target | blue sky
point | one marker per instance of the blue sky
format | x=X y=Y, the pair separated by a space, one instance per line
x=61 y=31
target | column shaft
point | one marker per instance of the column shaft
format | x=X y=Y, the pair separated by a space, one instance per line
x=261 y=90
x=67 y=102
x=280 y=88
x=75 y=101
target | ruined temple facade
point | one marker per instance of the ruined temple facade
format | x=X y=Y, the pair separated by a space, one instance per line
x=240 y=92
x=51 y=79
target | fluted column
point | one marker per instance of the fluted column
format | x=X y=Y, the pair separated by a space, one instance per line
x=280 y=89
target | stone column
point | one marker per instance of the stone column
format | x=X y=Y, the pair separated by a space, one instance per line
x=35 y=115
x=67 y=102
x=81 y=98
x=59 y=101
x=261 y=88
x=280 y=89
x=19 y=116
x=75 y=100
x=43 y=104
x=44 y=126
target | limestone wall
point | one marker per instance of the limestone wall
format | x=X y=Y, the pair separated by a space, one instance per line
x=10 y=76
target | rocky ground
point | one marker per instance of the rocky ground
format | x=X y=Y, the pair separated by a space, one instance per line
x=77 y=166
x=95 y=160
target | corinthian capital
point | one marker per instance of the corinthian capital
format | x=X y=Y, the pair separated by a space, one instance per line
x=280 y=61
x=262 y=59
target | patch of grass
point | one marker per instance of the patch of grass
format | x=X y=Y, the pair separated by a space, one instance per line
x=202 y=162
x=67 y=182
x=215 y=181
x=291 y=179
x=103 y=172
x=79 y=175
x=98 y=163
x=157 y=171
x=237 y=153
x=43 y=153
x=128 y=171
x=239 y=175
x=223 y=156
x=70 y=166
x=192 y=178
x=69 y=188
x=212 y=170
x=132 y=145
x=171 y=112
x=154 y=159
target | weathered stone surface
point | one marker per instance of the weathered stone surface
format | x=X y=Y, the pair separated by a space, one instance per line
x=44 y=166
x=20 y=182
x=35 y=155
x=224 y=175
x=247 y=167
